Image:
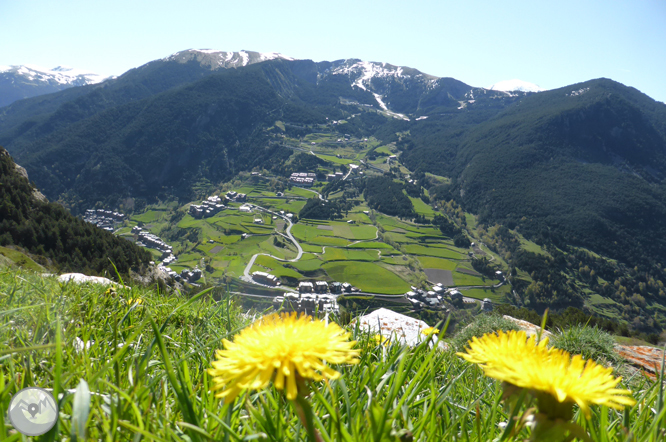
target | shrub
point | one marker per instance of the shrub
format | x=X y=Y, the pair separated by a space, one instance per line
x=590 y=342
x=482 y=324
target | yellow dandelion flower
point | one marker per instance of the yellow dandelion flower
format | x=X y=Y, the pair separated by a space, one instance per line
x=430 y=331
x=512 y=358
x=280 y=348
x=131 y=301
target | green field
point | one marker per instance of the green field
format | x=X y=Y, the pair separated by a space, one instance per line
x=335 y=254
x=347 y=252
x=366 y=276
x=428 y=262
x=422 y=208
x=497 y=296
x=462 y=279
x=439 y=252
x=267 y=264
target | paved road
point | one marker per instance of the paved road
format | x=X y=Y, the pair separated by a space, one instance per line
x=288 y=234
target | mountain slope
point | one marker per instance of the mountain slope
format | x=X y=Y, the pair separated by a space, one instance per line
x=41 y=115
x=48 y=230
x=583 y=164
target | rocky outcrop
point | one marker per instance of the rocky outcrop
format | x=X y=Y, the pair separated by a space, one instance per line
x=649 y=360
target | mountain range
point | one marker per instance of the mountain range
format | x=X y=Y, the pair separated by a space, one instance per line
x=582 y=165
x=19 y=82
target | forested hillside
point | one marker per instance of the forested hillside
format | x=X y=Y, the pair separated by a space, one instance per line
x=584 y=168
x=49 y=230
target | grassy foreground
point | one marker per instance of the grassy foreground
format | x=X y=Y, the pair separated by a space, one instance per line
x=131 y=365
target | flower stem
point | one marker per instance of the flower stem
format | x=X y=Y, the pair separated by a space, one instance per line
x=304 y=411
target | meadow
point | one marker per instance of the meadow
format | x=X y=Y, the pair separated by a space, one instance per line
x=131 y=364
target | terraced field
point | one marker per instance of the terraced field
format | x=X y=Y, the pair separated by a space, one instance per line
x=358 y=253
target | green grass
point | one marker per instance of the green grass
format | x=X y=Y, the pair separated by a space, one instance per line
x=531 y=247
x=148 y=216
x=145 y=368
x=15 y=257
x=335 y=254
x=482 y=324
x=498 y=296
x=439 y=252
x=591 y=342
x=274 y=266
x=463 y=279
x=422 y=208
x=366 y=276
x=428 y=262
x=307 y=265
x=329 y=241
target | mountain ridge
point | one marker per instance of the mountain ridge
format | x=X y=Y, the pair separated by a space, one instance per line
x=26 y=81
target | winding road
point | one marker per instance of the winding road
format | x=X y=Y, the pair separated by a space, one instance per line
x=246 y=273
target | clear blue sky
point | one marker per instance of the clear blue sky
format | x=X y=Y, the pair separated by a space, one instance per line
x=552 y=43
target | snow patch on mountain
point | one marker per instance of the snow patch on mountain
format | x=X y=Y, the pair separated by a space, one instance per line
x=386 y=110
x=63 y=75
x=273 y=55
x=515 y=85
x=380 y=101
x=245 y=56
x=367 y=70
x=216 y=59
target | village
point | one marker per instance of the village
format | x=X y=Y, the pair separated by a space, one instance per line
x=310 y=295
x=104 y=219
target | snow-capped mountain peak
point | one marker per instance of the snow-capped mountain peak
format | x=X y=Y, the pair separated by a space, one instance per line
x=515 y=85
x=63 y=75
x=215 y=59
x=25 y=81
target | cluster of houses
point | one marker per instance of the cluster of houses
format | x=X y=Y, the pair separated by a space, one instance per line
x=334 y=176
x=266 y=279
x=322 y=287
x=305 y=179
x=235 y=196
x=307 y=287
x=207 y=208
x=190 y=276
x=147 y=239
x=306 y=303
x=435 y=298
x=104 y=219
